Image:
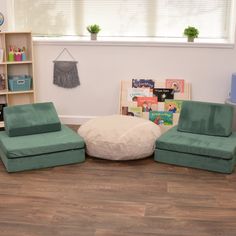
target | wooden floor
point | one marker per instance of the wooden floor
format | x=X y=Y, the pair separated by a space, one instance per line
x=105 y=198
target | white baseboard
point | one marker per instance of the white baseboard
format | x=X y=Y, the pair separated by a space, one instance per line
x=75 y=120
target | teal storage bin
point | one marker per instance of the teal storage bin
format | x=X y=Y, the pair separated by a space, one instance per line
x=19 y=82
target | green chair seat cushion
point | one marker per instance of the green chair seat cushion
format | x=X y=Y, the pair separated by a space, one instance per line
x=206 y=118
x=31 y=119
x=38 y=144
x=205 y=145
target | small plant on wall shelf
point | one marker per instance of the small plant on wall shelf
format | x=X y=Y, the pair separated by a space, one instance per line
x=191 y=32
x=93 y=30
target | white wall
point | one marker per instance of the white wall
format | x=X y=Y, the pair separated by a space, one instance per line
x=102 y=67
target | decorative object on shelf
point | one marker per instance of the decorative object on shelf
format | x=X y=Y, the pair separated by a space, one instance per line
x=11 y=54
x=16 y=54
x=93 y=30
x=2 y=82
x=191 y=32
x=1 y=19
x=23 y=54
x=65 y=73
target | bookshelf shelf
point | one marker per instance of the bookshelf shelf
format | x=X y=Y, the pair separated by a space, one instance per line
x=8 y=69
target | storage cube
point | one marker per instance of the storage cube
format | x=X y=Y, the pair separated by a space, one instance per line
x=19 y=82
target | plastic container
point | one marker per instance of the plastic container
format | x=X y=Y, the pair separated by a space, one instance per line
x=233 y=88
x=11 y=56
x=18 y=56
x=19 y=82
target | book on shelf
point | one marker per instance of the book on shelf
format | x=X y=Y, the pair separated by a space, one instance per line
x=147 y=103
x=133 y=93
x=163 y=93
x=132 y=111
x=176 y=84
x=1 y=54
x=135 y=111
x=173 y=106
x=161 y=117
x=143 y=83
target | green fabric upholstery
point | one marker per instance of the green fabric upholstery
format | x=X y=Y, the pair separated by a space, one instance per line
x=198 y=144
x=44 y=160
x=41 y=150
x=195 y=161
x=206 y=118
x=203 y=138
x=31 y=119
x=34 y=138
x=38 y=144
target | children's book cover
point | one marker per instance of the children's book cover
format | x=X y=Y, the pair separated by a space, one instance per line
x=135 y=111
x=147 y=103
x=163 y=93
x=173 y=106
x=143 y=83
x=176 y=84
x=133 y=93
x=161 y=117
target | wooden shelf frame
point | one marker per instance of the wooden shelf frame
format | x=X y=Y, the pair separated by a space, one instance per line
x=13 y=68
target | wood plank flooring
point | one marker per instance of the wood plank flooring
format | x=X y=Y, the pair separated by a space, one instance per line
x=105 y=198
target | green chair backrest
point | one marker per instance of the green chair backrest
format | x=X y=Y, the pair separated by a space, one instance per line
x=31 y=119
x=206 y=118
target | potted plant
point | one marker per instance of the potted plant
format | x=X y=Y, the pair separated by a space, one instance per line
x=191 y=32
x=93 y=30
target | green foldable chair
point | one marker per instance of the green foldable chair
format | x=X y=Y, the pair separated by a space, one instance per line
x=35 y=138
x=202 y=139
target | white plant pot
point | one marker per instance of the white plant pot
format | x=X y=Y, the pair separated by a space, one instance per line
x=93 y=36
x=190 y=39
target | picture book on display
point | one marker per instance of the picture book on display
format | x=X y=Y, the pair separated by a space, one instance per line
x=135 y=111
x=143 y=83
x=163 y=93
x=133 y=93
x=176 y=84
x=161 y=117
x=147 y=103
x=173 y=106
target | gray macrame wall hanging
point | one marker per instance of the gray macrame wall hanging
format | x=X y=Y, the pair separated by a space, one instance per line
x=65 y=73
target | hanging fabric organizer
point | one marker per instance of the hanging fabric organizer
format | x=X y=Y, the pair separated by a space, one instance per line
x=65 y=73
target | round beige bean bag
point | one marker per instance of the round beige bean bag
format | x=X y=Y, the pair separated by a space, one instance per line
x=119 y=137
